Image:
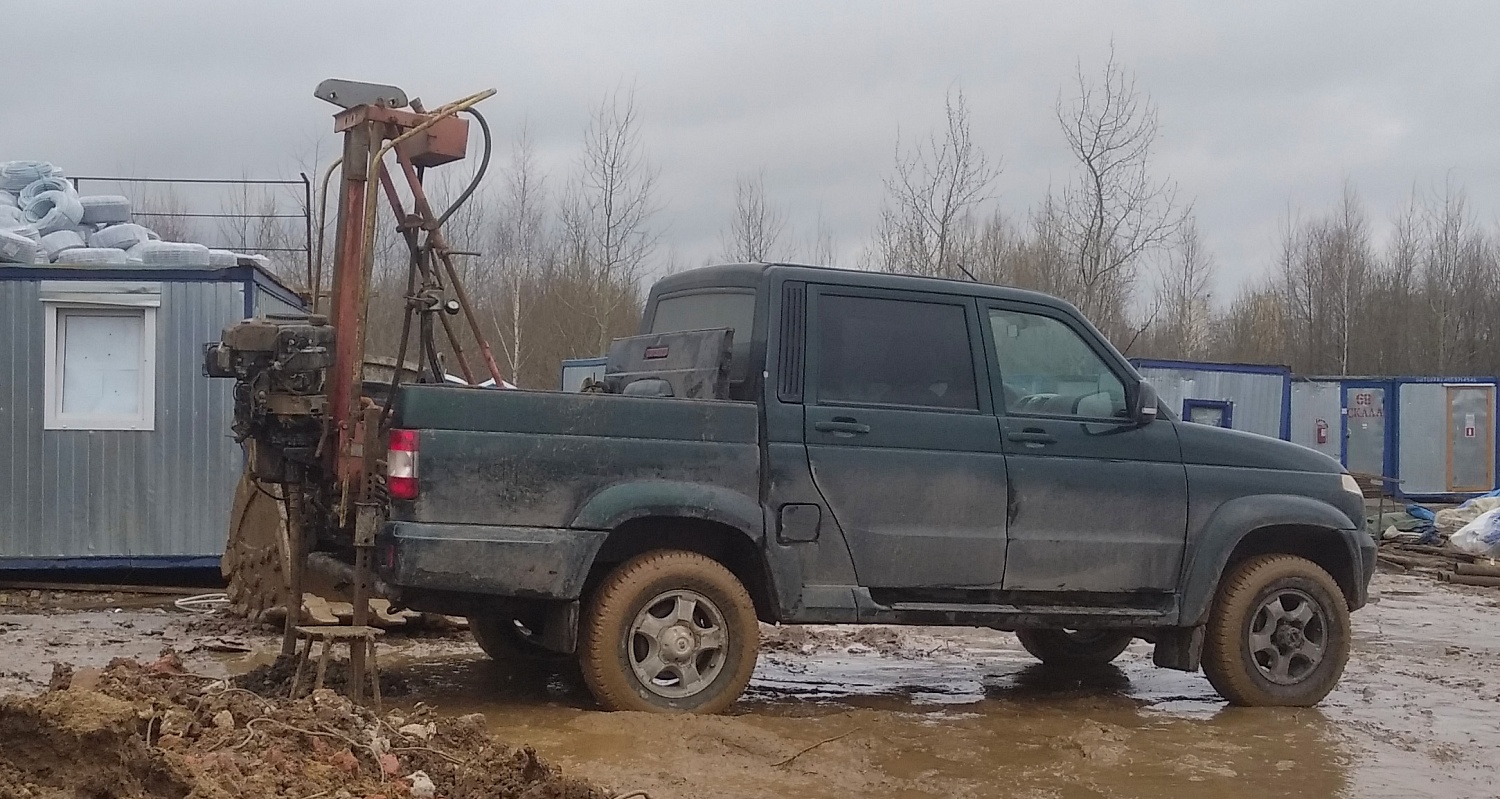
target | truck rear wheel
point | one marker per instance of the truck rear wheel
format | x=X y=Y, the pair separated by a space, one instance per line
x=505 y=641
x=1278 y=633
x=1074 y=647
x=669 y=631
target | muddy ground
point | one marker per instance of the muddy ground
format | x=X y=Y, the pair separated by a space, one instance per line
x=909 y=712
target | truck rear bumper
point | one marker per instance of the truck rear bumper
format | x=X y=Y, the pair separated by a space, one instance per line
x=529 y=562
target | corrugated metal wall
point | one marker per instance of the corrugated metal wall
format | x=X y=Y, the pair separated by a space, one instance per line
x=1313 y=402
x=79 y=493
x=1257 y=398
x=268 y=303
x=1423 y=454
x=1429 y=427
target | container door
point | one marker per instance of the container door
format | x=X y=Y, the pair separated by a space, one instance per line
x=1364 y=430
x=1471 y=439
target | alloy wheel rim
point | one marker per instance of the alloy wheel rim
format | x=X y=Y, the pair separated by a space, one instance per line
x=678 y=644
x=1288 y=636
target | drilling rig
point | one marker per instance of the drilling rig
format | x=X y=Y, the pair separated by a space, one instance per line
x=312 y=419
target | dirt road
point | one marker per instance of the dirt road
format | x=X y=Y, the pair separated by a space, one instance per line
x=892 y=712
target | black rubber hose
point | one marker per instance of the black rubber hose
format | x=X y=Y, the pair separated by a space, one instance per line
x=407 y=311
x=484 y=165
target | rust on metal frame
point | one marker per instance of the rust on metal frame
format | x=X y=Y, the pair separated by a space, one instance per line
x=348 y=305
x=439 y=245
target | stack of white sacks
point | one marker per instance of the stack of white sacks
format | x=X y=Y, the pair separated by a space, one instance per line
x=44 y=220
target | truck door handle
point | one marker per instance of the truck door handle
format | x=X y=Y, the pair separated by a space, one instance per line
x=1031 y=435
x=842 y=425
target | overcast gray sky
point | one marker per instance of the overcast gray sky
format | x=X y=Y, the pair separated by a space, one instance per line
x=1264 y=106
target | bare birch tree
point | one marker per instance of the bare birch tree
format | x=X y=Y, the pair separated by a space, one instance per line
x=523 y=246
x=1117 y=213
x=754 y=234
x=1186 y=297
x=606 y=217
x=822 y=248
x=931 y=199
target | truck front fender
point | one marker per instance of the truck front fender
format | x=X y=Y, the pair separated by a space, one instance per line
x=620 y=503
x=1233 y=522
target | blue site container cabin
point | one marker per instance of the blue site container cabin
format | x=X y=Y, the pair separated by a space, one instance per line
x=1430 y=438
x=1252 y=397
x=577 y=370
x=115 y=450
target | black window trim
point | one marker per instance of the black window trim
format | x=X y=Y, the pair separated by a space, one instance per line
x=791 y=362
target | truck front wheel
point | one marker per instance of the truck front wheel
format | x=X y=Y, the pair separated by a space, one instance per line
x=668 y=631
x=1074 y=647
x=1278 y=633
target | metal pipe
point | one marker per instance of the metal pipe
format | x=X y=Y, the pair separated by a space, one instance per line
x=296 y=524
x=308 y=233
x=322 y=226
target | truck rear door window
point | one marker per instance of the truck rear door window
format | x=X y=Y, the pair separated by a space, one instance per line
x=707 y=311
x=894 y=352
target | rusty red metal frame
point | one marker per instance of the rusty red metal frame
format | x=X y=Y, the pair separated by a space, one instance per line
x=418 y=138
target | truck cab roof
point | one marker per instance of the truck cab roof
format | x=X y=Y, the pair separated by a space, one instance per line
x=753 y=275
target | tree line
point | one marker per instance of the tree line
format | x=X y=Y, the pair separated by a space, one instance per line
x=558 y=263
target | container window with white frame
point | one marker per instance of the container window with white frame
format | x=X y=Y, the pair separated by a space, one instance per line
x=100 y=358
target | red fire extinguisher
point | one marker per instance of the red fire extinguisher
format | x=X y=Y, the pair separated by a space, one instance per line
x=1322 y=428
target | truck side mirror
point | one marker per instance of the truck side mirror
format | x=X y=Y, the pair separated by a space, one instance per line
x=1146 y=402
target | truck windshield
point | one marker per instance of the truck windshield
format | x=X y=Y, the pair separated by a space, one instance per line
x=734 y=310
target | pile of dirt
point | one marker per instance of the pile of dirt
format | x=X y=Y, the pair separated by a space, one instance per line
x=135 y=731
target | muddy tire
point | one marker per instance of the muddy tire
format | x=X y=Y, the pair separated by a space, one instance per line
x=668 y=631
x=1278 y=633
x=509 y=644
x=1074 y=647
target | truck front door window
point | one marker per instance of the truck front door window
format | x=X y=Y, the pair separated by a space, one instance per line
x=894 y=352
x=1046 y=369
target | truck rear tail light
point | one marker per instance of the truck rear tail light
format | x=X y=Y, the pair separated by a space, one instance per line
x=401 y=465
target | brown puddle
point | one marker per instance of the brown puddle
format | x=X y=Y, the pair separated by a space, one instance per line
x=893 y=712
x=996 y=725
x=911 y=712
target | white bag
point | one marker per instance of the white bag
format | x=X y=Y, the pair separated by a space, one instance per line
x=170 y=253
x=36 y=187
x=1481 y=536
x=121 y=237
x=91 y=256
x=17 y=175
x=57 y=241
x=105 y=209
x=54 y=210
x=16 y=249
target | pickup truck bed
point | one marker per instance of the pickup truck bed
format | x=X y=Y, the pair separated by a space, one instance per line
x=521 y=477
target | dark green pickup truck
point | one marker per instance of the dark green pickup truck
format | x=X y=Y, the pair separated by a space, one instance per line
x=883 y=449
